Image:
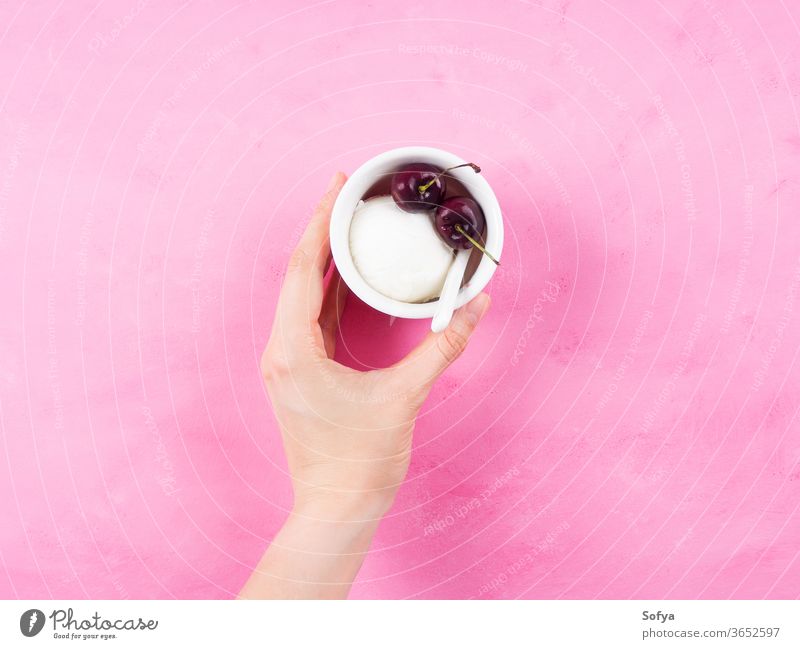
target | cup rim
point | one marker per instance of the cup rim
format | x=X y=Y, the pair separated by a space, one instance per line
x=353 y=191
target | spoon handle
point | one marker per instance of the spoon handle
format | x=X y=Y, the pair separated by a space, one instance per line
x=449 y=295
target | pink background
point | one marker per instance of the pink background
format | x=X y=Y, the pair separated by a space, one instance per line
x=624 y=423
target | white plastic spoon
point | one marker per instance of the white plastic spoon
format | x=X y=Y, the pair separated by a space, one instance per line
x=452 y=284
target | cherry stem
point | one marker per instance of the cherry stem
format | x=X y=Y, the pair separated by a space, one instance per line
x=475 y=243
x=423 y=188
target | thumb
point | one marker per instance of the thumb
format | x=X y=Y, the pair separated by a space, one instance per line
x=423 y=364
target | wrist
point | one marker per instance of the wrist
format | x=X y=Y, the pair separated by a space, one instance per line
x=360 y=507
x=319 y=549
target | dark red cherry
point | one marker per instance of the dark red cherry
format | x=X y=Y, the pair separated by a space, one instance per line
x=460 y=222
x=463 y=211
x=419 y=186
x=406 y=184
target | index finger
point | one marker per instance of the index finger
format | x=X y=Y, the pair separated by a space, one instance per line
x=300 y=299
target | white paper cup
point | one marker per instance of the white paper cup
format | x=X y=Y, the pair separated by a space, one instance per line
x=364 y=178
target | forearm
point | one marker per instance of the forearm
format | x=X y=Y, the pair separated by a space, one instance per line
x=316 y=555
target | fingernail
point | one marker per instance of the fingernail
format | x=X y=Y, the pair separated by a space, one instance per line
x=333 y=182
x=477 y=308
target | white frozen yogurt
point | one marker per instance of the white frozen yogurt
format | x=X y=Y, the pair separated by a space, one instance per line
x=398 y=253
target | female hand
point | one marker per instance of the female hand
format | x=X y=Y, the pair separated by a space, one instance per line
x=347 y=434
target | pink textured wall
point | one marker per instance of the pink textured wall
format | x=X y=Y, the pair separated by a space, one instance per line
x=623 y=425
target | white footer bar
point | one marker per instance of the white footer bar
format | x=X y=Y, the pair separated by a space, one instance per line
x=404 y=624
